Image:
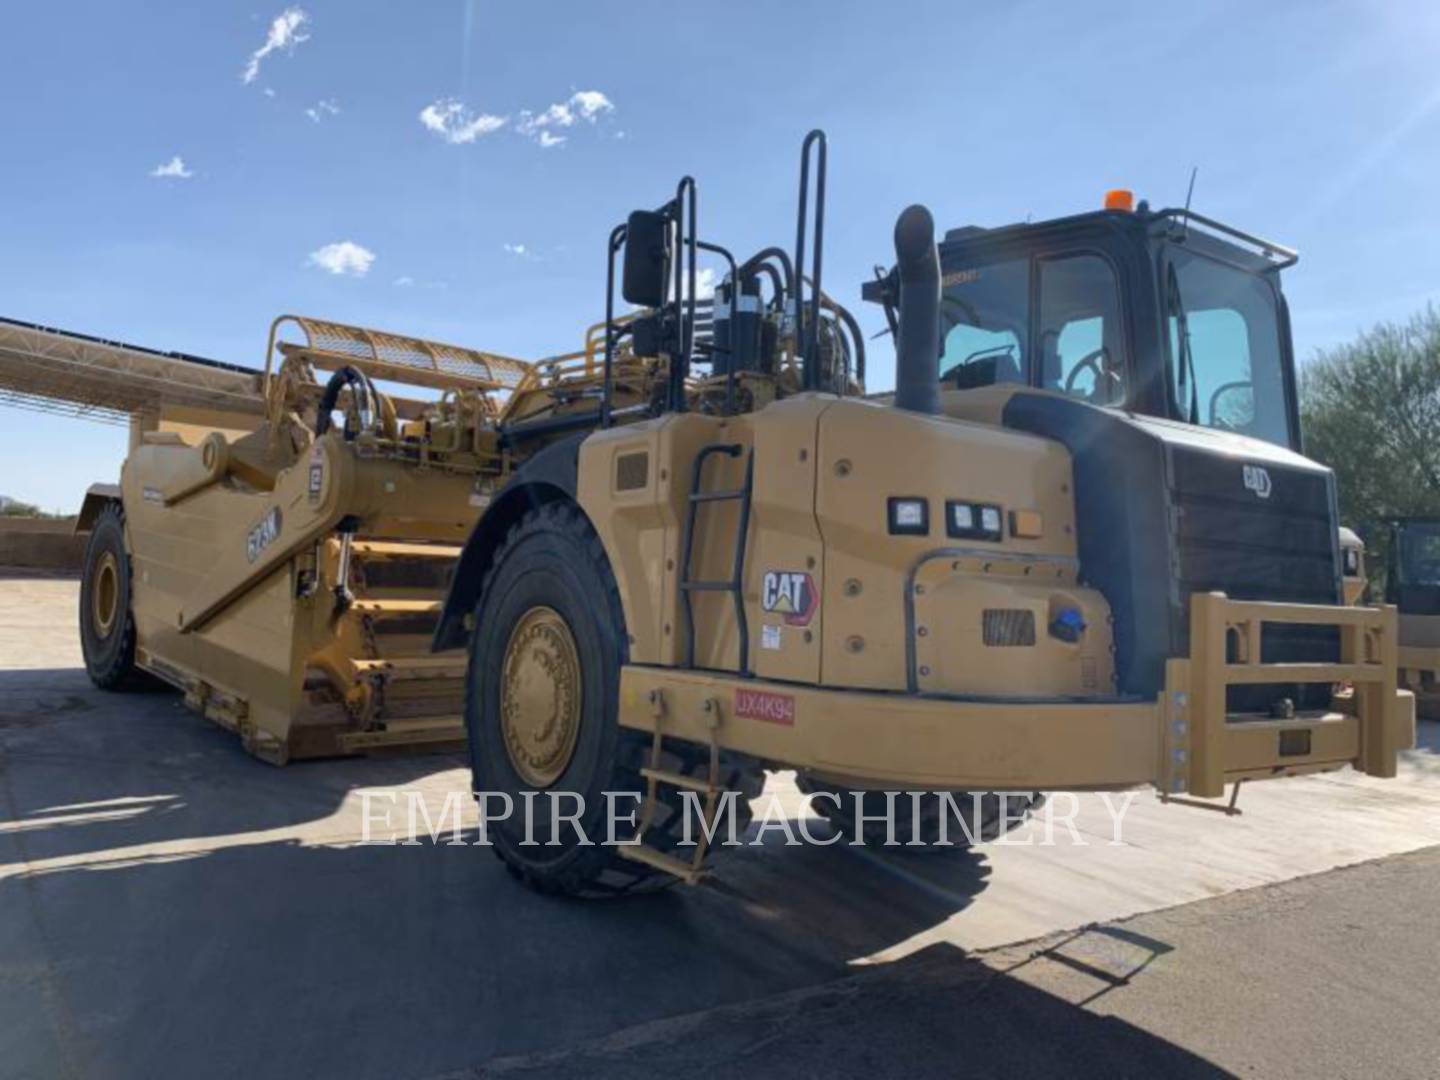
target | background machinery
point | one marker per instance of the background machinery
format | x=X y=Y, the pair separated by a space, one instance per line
x=1352 y=566
x=1412 y=584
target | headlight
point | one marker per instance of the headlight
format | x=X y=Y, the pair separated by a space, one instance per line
x=909 y=516
x=973 y=521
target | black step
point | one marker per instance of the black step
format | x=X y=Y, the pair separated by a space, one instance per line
x=717 y=496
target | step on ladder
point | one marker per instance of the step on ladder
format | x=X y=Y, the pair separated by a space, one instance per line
x=735 y=584
x=397 y=692
x=690 y=871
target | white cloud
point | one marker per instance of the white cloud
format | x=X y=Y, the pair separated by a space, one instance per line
x=453 y=121
x=591 y=103
x=285 y=34
x=322 y=109
x=555 y=116
x=517 y=249
x=404 y=281
x=346 y=258
x=586 y=105
x=704 y=283
x=456 y=124
x=174 y=169
x=269 y=92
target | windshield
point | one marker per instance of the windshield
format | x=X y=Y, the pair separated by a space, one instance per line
x=1225 y=368
x=1413 y=581
x=1419 y=554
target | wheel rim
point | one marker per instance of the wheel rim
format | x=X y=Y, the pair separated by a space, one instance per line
x=540 y=696
x=105 y=597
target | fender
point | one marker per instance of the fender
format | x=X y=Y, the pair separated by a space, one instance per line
x=548 y=476
x=97 y=497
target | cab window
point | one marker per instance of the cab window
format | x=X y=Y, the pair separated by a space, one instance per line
x=1080 y=342
x=984 y=315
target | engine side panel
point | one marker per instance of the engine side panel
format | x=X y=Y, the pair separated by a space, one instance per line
x=942 y=613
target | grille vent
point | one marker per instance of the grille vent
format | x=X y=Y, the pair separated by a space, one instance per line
x=632 y=471
x=1008 y=627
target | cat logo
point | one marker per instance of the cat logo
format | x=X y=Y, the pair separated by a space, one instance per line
x=790 y=593
x=1256 y=480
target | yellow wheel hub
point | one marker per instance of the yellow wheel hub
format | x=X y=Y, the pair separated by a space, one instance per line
x=540 y=696
x=105 y=596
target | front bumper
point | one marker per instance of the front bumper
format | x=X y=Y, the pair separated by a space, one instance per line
x=1183 y=742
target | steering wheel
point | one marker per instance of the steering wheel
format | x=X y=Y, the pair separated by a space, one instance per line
x=1091 y=360
x=1221 y=391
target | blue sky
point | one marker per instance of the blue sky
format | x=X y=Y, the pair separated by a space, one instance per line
x=1315 y=123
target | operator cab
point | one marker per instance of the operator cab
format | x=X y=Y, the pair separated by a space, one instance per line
x=1413 y=569
x=1163 y=313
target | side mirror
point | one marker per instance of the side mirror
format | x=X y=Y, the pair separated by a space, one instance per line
x=647 y=250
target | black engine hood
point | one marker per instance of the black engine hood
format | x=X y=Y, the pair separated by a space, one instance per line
x=1165 y=510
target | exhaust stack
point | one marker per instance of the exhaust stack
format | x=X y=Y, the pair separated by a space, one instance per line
x=917 y=342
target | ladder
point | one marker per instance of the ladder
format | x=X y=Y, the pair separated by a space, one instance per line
x=691 y=870
x=734 y=585
x=709 y=786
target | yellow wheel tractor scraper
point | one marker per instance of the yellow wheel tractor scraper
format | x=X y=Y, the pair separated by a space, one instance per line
x=1079 y=549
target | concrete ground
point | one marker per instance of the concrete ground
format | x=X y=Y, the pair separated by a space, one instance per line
x=169 y=906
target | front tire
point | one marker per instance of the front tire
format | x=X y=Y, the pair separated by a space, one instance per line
x=107 y=621
x=542 y=714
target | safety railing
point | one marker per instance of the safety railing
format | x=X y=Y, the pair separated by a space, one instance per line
x=395 y=357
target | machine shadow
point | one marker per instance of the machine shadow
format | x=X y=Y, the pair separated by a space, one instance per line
x=409 y=960
x=175 y=932
x=90 y=772
x=936 y=1013
x=284 y=958
x=159 y=876
x=292 y=960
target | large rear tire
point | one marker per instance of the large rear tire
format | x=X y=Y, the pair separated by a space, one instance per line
x=542 y=713
x=982 y=816
x=107 y=622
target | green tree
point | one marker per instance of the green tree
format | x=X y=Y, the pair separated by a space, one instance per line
x=1370 y=410
x=16 y=508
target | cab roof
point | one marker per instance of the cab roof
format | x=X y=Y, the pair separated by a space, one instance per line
x=1205 y=234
